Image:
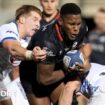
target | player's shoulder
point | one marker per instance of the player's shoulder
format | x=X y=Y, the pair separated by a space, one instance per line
x=7 y=26
x=48 y=26
x=9 y=30
x=96 y=69
x=45 y=30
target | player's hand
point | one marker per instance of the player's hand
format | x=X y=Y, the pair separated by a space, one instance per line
x=77 y=67
x=80 y=67
x=39 y=54
x=83 y=67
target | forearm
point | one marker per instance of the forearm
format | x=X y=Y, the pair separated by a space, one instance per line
x=18 y=52
x=86 y=49
x=15 y=49
x=82 y=100
x=54 y=77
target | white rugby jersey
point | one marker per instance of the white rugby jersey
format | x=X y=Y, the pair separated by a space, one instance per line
x=94 y=81
x=9 y=31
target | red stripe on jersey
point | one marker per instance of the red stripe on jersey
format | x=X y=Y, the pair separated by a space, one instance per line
x=59 y=34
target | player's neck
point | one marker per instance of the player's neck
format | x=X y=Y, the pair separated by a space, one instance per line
x=49 y=18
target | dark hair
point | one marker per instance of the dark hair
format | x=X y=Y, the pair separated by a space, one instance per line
x=70 y=8
x=26 y=9
x=102 y=10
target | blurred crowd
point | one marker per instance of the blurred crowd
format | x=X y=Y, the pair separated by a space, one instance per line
x=97 y=37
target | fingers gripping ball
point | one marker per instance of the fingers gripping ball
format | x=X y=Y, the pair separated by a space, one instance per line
x=72 y=57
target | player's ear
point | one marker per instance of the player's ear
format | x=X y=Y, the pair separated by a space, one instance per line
x=60 y=21
x=22 y=19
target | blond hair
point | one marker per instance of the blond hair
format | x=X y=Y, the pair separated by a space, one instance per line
x=25 y=10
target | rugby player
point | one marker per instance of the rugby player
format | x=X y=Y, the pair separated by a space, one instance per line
x=43 y=81
x=27 y=23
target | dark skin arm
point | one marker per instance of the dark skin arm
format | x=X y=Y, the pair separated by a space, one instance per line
x=46 y=74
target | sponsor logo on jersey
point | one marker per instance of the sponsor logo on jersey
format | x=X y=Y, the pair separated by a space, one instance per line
x=49 y=52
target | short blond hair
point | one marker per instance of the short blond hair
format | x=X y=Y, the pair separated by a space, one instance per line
x=26 y=9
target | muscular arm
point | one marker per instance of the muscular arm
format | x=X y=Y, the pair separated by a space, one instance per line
x=15 y=49
x=86 y=50
x=82 y=100
x=46 y=74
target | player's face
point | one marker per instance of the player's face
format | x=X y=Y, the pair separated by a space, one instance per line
x=71 y=25
x=49 y=6
x=32 y=23
x=100 y=21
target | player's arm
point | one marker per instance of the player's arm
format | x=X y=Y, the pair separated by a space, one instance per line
x=83 y=68
x=46 y=74
x=82 y=100
x=15 y=49
x=46 y=71
x=86 y=49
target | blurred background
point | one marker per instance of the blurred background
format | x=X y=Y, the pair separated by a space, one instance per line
x=89 y=8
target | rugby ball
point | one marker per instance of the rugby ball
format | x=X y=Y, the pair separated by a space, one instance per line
x=72 y=57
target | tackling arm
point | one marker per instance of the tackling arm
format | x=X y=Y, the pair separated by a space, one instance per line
x=46 y=74
x=15 y=49
x=86 y=50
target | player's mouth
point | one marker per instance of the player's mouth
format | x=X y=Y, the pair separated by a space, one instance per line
x=49 y=9
x=74 y=35
x=35 y=30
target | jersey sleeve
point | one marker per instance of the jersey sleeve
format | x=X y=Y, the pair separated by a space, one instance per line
x=6 y=33
x=85 y=88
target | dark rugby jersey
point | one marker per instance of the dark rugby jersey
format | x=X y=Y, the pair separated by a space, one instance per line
x=55 y=42
x=56 y=45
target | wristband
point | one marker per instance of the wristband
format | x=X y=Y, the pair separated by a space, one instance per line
x=29 y=55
